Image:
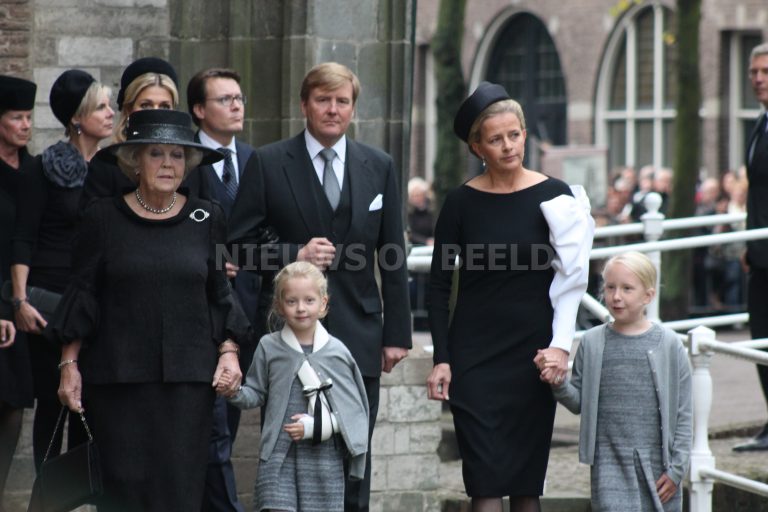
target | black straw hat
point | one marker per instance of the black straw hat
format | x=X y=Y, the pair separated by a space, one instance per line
x=140 y=67
x=16 y=93
x=160 y=126
x=68 y=92
x=485 y=95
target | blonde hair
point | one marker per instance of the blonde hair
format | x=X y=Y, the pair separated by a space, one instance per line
x=132 y=92
x=128 y=159
x=329 y=75
x=297 y=269
x=494 y=109
x=637 y=263
x=88 y=105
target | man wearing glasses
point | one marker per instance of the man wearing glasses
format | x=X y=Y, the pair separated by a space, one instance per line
x=217 y=106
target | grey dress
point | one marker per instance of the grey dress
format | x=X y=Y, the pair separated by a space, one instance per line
x=301 y=477
x=628 y=451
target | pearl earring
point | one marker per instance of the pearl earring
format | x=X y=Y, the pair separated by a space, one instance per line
x=78 y=129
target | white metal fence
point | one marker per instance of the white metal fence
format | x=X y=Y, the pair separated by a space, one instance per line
x=700 y=339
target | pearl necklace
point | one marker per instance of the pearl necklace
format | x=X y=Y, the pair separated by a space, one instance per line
x=156 y=211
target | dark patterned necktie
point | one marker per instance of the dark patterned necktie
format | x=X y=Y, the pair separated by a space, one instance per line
x=228 y=175
x=330 y=182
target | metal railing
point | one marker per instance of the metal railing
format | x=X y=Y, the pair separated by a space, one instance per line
x=702 y=475
x=701 y=341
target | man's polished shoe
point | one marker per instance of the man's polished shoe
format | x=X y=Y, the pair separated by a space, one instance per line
x=756 y=444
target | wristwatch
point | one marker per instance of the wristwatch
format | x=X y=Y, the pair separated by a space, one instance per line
x=16 y=302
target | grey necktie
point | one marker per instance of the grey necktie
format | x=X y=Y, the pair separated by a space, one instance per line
x=228 y=175
x=330 y=182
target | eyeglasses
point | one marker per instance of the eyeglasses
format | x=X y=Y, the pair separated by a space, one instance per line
x=228 y=100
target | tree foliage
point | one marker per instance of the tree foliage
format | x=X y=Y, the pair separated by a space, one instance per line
x=446 y=48
x=677 y=264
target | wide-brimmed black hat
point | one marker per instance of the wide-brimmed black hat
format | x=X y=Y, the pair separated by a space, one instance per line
x=67 y=92
x=16 y=93
x=160 y=126
x=485 y=95
x=140 y=67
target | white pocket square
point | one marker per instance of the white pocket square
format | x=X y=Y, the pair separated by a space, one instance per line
x=376 y=203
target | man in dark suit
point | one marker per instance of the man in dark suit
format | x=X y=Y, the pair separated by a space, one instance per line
x=756 y=257
x=336 y=203
x=217 y=106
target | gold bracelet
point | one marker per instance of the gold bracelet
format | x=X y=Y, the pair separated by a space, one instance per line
x=236 y=352
x=66 y=362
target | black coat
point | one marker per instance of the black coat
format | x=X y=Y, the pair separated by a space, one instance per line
x=278 y=194
x=246 y=284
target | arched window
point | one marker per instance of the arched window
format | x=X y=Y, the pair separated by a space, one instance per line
x=525 y=61
x=635 y=112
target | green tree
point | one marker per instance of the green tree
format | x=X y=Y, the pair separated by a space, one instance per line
x=446 y=48
x=676 y=272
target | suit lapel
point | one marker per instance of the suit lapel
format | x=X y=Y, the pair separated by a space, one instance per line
x=244 y=152
x=753 y=138
x=299 y=172
x=359 y=176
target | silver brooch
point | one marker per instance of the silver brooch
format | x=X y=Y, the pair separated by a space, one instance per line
x=199 y=215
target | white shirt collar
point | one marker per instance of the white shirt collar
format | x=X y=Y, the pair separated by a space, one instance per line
x=314 y=147
x=207 y=141
x=320 y=340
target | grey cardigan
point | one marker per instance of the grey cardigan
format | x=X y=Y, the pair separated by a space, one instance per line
x=672 y=380
x=275 y=365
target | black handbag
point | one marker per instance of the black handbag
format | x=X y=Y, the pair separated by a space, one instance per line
x=44 y=301
x=70 y=480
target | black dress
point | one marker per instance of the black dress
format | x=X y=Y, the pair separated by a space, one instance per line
x=502 y=412
x=15 y=370
x=151 y=305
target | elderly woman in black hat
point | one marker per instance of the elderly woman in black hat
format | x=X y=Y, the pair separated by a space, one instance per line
x=45 y=227
x=147 y=83
x=149 y=322
x=520 y=282
x=17 y=99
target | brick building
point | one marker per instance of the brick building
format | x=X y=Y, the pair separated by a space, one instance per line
x=597 y=73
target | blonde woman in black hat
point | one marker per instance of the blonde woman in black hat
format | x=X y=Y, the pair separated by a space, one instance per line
x=17 y=99
x=523 y=242
x=45 y=227
x=147 y=83
x=149 y=322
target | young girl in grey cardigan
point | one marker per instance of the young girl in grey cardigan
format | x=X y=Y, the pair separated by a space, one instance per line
x=631 y=382
x=316 y=411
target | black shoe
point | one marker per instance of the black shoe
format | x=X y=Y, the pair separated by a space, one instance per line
x=756 y=444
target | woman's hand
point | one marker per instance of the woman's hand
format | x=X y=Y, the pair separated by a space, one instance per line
x=439 y=381
x=295 y=430
x=227 y=377
x=7 y=333
x=552 y=364
x=71 y=387
x=28 y=319
x=666 y=488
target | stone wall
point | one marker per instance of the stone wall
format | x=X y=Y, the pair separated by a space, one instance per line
x=99 y=36
x=15 y=22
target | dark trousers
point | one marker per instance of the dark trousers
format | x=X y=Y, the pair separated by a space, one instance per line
x=357 y=494
x=757 y=306
x=220 y=490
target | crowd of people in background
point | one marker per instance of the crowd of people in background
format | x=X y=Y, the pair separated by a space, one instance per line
x=718 y=275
